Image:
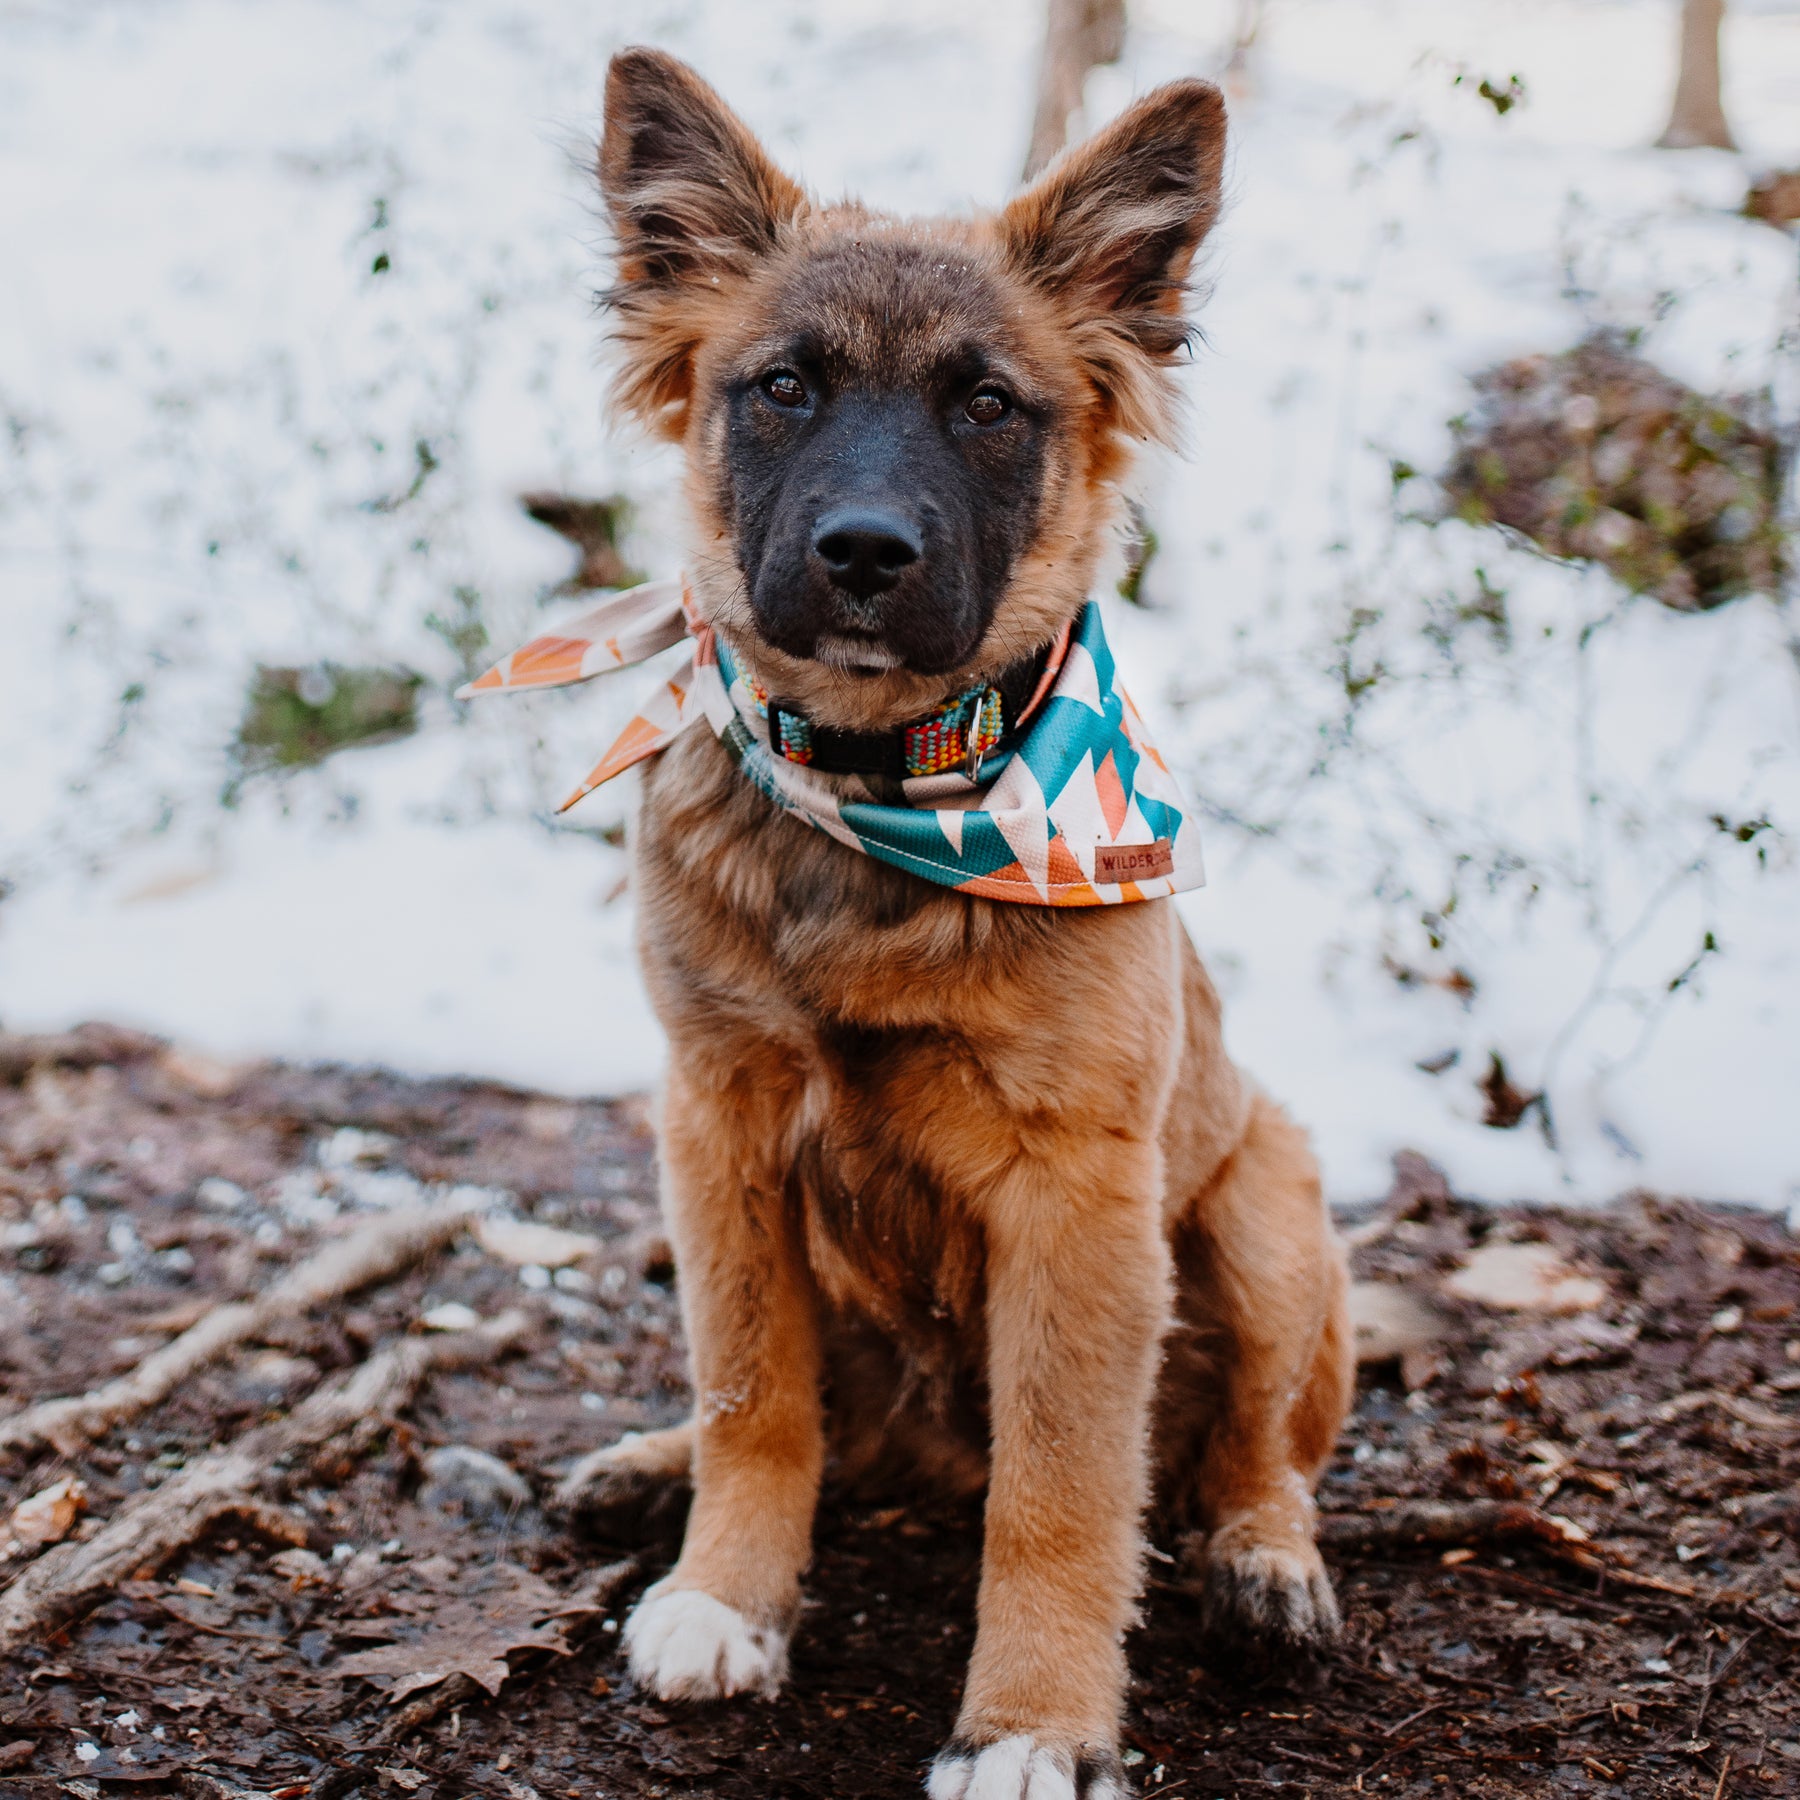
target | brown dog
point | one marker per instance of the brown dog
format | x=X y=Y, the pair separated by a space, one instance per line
x=953 y=1182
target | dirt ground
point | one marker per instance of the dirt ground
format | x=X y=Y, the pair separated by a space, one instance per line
x=138 y=1186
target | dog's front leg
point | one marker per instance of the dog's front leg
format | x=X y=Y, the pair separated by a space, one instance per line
x=1078 y=1297
x=718 y=1623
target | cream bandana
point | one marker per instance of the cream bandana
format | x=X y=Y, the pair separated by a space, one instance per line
x=1078 y=809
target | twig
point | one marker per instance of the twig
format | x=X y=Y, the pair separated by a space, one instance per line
x=376 y=1253
x=1723 y=1772
x=1300 y=1756
x=1413 y=1717
x=1715 y=1676
x=152 y=1526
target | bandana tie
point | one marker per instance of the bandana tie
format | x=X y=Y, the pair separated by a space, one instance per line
x=1075 y=808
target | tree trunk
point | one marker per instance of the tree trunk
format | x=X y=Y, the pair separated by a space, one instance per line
x=1698 y=116
x=1243 y=38
x=1080 y=34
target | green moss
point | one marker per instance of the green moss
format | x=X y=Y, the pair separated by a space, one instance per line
x=296 y=717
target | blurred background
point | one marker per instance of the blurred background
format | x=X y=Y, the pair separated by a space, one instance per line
x=1464 y=612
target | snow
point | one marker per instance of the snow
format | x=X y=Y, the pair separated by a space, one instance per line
x=213 y=399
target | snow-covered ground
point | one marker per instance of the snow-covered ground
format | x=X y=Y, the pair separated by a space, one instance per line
x=213 y=399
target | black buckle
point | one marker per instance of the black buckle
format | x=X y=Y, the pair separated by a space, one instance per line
x=835 y=752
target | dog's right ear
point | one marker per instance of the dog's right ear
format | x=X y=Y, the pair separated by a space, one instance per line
x=695 y=202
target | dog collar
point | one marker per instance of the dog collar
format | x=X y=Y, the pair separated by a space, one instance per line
x=1063 y=802
x=959 y=734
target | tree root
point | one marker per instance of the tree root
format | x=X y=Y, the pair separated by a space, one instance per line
x=151 y=1527
x=377 y=1252
x=1465 y=1524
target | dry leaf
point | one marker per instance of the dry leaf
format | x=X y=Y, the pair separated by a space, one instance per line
x=521 y=1242
x=472 y=1632
x=1525 y=1278
x=48 y=1516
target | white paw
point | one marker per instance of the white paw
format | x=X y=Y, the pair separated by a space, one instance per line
x=1020 y=1768
x=685 y=1645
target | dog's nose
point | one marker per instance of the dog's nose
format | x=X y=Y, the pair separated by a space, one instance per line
x=865 y=550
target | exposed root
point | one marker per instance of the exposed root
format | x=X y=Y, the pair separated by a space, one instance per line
x=1438 y=1525
x=151 y=1527
x=1465 y=1524
x=380 y=1250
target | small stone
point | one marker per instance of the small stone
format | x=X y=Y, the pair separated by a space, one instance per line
x=535 y=1277
x=523 y=1242
x=1727 y=1320
x=453 y=1315
x=302 y=1567
x=271 y=1376
x=225 y=1196
x=474 y=1482
x=347 y=1146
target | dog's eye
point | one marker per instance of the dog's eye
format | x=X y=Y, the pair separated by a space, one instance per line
x=785 y=388
x=988 y=407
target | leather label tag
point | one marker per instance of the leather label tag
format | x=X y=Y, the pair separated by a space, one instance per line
x=1115 y=863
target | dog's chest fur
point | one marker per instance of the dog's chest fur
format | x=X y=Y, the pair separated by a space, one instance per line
x=923 y=1038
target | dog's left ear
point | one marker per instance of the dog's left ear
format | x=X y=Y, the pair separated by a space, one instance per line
x=1112 y=228
x=695 y=201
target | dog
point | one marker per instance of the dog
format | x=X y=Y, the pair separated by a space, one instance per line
x=954 y=1185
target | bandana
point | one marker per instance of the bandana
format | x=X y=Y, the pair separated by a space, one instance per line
x=1074 y=808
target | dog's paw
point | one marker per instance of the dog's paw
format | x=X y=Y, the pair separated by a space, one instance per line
x=685 y=1645
x=1269 y=1592
x=643 y=1475
x=1023 y=1768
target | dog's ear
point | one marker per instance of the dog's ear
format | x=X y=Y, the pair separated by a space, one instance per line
x=1111 y=228
x=695 y=201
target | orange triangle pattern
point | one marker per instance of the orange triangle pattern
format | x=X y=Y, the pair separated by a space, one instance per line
x=1111 y=792
x=543 y=661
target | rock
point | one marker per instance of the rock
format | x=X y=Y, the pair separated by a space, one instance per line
x=302 y=1567
x=473 y=1482
x=1524 y=1278
x=451 y=1316
x=525 y=1244
x=272 y=1376
x=208 y=1076
x=1389 y=1320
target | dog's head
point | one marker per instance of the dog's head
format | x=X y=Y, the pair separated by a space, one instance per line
x=902 y=437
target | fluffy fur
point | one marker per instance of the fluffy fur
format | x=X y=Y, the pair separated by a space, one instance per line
x=957 y=1188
